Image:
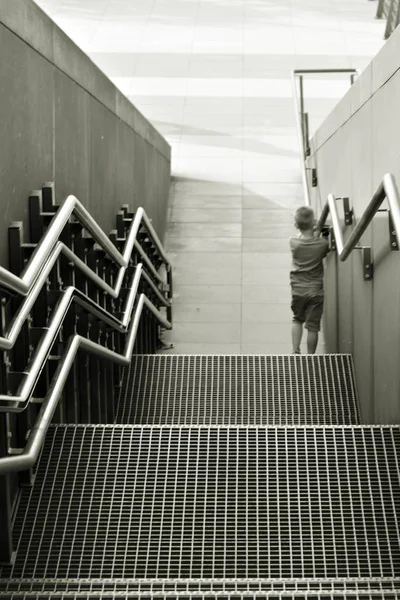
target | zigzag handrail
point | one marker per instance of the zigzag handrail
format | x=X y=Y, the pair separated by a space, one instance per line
x=73 y=207
x=18 y=402
x=7 y=342
x=387 y=189
x=27 y=458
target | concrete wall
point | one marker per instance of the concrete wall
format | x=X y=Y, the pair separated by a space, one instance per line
x=62 y=120
x=357 y=144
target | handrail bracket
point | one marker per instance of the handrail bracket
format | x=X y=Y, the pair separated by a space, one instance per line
x=368 y=265
x=348 y=212
x=386 y=190
x=392 y=234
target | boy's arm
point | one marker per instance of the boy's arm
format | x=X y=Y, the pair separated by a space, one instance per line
x=325 y=230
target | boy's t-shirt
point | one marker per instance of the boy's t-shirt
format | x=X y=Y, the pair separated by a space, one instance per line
x=307 y=272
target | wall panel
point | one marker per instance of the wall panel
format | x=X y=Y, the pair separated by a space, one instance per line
x=26 y=128
x=72 y=140
x=63 y=120
x=360 y=136
x=361 y=147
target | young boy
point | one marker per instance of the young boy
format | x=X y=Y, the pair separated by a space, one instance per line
x=307 y=279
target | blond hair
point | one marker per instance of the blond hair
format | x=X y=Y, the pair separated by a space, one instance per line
x=304 y=218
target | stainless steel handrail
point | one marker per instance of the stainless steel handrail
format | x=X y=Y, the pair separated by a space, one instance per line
x=30 y=453
x=299 y=109
x=18 y=402
x=73 y=207
x=13 y=330
x=30 y=284
x=387 y=189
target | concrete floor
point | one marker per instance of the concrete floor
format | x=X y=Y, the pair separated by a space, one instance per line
x=214 y=78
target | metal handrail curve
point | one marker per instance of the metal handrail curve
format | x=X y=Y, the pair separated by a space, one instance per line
x=299 y=112
x=18 y=402
x=27 y=458
x=73 y=207
x=387 y=189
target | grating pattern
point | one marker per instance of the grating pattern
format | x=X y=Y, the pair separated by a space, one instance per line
x=212 y=502
x=239 y=390
x=183 y=596
x=127 y=587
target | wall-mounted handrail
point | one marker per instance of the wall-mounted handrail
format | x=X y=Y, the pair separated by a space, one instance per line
x=297 y=74
x=27 y=458
x=387 y=189
x=73 y=207
x=18 y=402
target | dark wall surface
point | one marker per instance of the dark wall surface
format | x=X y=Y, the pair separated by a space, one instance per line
x=353 y=149
x=63 y=120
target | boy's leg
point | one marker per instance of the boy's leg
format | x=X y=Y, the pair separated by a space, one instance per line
x=313 y=322
x=312 y=341
x=298 y=307
x=297 y=334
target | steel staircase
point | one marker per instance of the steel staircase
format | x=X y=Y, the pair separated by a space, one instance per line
x=183 y=476
x=224 y=476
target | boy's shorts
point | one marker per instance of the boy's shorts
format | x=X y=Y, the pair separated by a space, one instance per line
x=308 y=310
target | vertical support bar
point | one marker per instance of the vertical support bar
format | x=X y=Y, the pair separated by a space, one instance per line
x=307 y=151
x=48 y=195
x=103 y=369
x=111 y=396
x=170 y=292
x=7 y=556
x=35 y=216
x=83 y=406
x=301 y=95
x=8 y=483
x=22 y=349
x=71 y=388
x=95 y=368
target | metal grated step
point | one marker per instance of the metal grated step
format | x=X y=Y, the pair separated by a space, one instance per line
x=238 y=596
x=239 y=390
x=212 y=502
x=195 y=587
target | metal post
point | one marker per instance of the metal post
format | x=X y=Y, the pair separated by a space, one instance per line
x=7 y=555
x=306 y=134
x=301 y=95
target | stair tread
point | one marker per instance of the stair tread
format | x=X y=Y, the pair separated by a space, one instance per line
x=393 y=595
x=120 y=587
x=239 y=390
x=212 y=502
